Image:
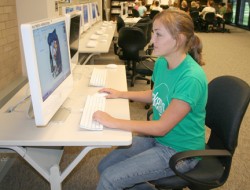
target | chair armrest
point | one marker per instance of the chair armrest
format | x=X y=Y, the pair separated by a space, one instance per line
x=149 y=113
x=198 y=153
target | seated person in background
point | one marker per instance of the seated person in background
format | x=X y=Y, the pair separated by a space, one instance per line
x=157 y=6
x=136 y=5
x=222 y=9
x=178 y=113
x=184 y=6
x=198 y=5
x=152 y=5
x=209 y=8
x=142 y=9
x=193 y=7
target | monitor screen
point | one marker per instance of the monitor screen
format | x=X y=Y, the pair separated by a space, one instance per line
x=93 y=12
x=67 y=9
x=86 y=17
x=47 y=58
x=97 y=11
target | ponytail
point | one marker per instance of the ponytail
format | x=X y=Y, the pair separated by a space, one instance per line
x=195 y=49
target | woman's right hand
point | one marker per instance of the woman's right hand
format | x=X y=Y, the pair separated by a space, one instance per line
x=112 y=93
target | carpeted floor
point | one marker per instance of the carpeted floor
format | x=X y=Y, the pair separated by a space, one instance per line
x=225 y=54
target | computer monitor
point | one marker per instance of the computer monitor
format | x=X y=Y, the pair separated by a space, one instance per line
x=98 y=15
x=73 y=24
x=67 y=9
x=124 y=10
x=79 y=9
x=47 y=58
x=93 y=12
x=86 y=17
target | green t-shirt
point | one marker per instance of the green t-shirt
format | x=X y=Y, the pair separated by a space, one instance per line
x=187 y=82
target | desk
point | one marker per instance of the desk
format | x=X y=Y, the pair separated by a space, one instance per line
x=41 y=146
x=103 y=42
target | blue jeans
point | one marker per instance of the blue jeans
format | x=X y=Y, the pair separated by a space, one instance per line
x=131 y=167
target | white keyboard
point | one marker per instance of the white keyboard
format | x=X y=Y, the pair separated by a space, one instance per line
x=93 y=103
x=94 y=37
x=98 y=77
x=91 y=44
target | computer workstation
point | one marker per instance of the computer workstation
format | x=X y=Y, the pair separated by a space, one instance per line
x=55 y=88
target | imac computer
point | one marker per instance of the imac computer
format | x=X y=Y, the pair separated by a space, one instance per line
x=73 y=24
x=86 y=17
x=124 y=10
x=98 y=15
x=67 y=9
x=47 y=58
x=93 y=13
x=79 y=9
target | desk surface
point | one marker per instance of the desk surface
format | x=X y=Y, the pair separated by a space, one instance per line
x=104 y=40
x=17 y=130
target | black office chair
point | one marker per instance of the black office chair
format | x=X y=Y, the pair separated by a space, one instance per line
x=209 y=22
x=149 y=28
x=131 y=42
x=119 y=24
x=153 y=13
x=135 y=13
x=196 y=20
x=228 y=99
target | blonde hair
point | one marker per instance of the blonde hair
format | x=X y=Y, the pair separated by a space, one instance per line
x=179 y=22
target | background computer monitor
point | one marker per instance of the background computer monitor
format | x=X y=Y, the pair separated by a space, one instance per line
x=93 y=13
x=86 y=17
x=124 y=9
x=73 y=23
x=79 y=9
x=47 y=58
x=68 y=9
x=98 y=15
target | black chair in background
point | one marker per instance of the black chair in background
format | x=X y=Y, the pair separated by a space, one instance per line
x=153 y=13
x=209 y=22
x=135 y=13
x=131 y=42
x=149 y=23
x=196 y=20
x=228 y=17
x=228 y=99
x=119 y=24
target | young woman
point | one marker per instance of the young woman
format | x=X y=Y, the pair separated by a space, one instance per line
x=179 y=98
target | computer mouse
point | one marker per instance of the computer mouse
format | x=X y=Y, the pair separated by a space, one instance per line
x=111 y=66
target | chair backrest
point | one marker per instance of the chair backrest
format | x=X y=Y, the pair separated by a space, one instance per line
x=135 y=13
x=194 y=15
x=149 y=28
x=131 y=40
x=228 y=99
x=119 y=23
x=210 y=17
x=228 y=17
x=144 y=27
x=153 y=13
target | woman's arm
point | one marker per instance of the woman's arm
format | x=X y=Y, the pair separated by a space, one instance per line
x=176 y=111
x=139 y=96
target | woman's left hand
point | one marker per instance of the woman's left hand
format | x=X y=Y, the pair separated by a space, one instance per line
x=104 y=118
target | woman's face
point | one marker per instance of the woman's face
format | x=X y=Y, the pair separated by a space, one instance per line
x=164 y=43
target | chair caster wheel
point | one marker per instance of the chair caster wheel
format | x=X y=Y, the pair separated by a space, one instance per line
x=148 y=82
x=147 y=106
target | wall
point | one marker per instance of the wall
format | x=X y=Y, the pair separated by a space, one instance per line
x=10 y=62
